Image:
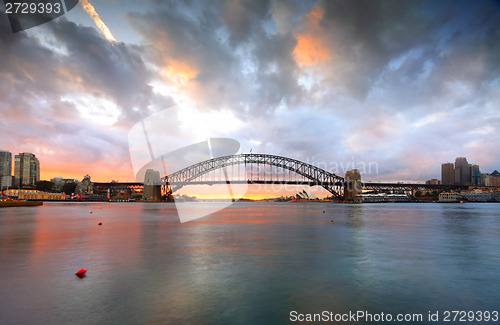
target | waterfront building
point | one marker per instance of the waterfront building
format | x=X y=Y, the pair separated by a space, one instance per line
x=462 y=171
x=480 y=196
x=35 y=195
x=26 y=170
x=447 y=174
x=5 y=168
x=448 y=197
x=353 y=186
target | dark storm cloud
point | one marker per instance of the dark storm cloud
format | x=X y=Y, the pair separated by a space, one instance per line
x=369 y=35
x=104 y=68
x=238 y=64
x=44 y=69
x=91 y=64
x=380 y=59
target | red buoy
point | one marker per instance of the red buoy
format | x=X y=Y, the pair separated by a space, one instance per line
x=332 y=220
x=81 y=273
x=100 y=223
x=90 y=211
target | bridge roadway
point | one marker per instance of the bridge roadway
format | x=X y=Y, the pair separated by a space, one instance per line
x=366 y=185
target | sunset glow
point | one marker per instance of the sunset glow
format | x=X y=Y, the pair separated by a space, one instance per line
x=310 y=50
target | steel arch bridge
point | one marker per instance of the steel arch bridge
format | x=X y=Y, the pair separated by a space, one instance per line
x=317 y=176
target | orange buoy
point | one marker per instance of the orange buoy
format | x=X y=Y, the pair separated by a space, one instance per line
x=81 y=273
x=100 y=223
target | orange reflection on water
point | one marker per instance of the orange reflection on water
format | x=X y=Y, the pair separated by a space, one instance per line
x=74 y=238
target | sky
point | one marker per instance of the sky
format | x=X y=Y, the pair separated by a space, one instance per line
x=400 y=85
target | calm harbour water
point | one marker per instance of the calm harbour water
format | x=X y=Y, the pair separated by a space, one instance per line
x=251 y=263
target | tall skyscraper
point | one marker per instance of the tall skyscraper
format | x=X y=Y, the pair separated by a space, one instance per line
x=5 y=168
x=475 y=175
x=447 y=174
x=462 y=171
x=26 y=170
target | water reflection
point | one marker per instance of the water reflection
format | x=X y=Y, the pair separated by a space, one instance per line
x=248 y=263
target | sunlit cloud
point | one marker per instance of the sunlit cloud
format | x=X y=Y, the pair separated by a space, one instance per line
x=178 y=72
x=310 y=50
x=311 y=47
x=431 y=118
x=89 y=8
x=100 y=111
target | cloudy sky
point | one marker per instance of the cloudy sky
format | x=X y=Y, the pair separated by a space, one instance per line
x=407 y=85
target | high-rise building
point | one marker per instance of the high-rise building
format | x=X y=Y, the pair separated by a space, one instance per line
x=475 y=175
x=26 y=170
x=5 y=168
x=485 y=179
x=447 y=174
x=462 y=171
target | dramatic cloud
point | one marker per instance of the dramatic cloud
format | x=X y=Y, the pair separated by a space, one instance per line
x=406 y=84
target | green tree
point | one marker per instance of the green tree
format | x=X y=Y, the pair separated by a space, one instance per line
x=418 y=193
x=69 y=188
x=44 y=186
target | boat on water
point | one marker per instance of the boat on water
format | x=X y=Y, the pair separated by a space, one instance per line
x=7 y=203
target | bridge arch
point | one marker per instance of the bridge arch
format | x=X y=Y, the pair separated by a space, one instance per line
x=329 y=181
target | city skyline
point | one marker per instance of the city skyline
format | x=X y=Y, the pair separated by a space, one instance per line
x=409 y=86
x=458 y=173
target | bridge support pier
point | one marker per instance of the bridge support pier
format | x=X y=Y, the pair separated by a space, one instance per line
x=353 y=186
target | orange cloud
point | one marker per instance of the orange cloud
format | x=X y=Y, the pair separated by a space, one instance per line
x=179 y=72
x=310 y=50
x=315 y=15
